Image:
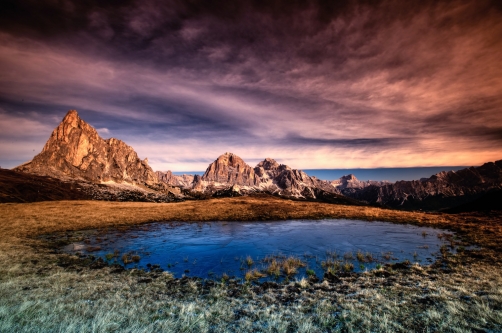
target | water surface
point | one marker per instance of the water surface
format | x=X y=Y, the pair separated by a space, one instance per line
x=214 y=248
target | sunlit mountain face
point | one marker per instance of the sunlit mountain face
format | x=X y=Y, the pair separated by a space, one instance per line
x=312 y=84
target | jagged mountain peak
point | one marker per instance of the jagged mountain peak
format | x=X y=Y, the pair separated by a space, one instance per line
x=231 y=169
x=230 y=159
x=268 y=164
x=349 y=177
x=71 y=118
x=75 y=150
x=169 y=178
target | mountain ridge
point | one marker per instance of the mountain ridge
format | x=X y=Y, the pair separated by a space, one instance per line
x=443 y=190
x=75 y=151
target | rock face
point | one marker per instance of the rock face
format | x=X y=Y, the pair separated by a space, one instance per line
x=281 y=179
x=230 y=169
x=229 y=175
x=269 y=169
x=443 y=190
x=76 y=151
x=167 y=177
x=349 y=184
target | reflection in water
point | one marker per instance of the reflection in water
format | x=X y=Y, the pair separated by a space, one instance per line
x=215 y=248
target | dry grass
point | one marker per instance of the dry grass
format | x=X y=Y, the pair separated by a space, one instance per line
x=253 y=274
x=360 y=256
x=291 y=264
x=249 y=261
x=273 y=268
x=45 y=217
x=26 y=220
x=463 y=294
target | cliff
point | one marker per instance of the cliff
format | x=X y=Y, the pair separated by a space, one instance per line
x=76 y=151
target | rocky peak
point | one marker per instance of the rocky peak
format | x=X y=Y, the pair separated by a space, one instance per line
x=75 y=150
x=349 y=177
x=269 y=169
x=350 y=182
x=268 y=164
x=280 y=178
x=169 y=178
x=230 y=160
x=230 y=169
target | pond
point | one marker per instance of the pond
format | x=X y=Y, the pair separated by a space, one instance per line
x=264 y=250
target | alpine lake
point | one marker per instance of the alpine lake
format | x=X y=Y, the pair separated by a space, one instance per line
x=263 y=251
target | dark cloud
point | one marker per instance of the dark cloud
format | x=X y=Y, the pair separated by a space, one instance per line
x=373 y=83
x=348 y=143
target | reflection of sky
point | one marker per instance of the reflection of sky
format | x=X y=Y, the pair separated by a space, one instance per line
x=319 y=84
x=222 y=246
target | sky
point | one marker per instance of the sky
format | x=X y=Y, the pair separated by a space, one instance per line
x=312 y=84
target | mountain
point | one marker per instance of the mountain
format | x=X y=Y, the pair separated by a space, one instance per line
x=229 y=175
x=76 y=151
x=77 y=158
x=230 y=169
x=226 y=171
x=440 y=191
x=169 y=178
x=350 y=181
x=108 y=169
x=281 y=179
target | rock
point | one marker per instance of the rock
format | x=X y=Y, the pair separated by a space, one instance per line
x=184 y=181
x=230 y=169
x=348 y=182
x=76 y=151
x=283 y=180
x=440 y=191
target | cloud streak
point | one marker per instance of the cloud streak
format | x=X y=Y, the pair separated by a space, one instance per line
x=314 y=84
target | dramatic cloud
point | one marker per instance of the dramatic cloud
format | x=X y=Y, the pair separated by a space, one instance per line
x=314 y=84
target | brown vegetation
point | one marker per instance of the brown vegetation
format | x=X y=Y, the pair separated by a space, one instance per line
x=460 y=294
x=44 y=217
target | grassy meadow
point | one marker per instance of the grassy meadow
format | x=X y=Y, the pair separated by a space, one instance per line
x=38 y=293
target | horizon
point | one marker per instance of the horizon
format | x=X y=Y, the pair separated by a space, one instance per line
x=315 y=85
x=376 y=174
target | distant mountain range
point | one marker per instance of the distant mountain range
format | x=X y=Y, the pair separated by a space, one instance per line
x=75 y=152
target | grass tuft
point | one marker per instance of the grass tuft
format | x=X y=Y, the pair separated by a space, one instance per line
x=348 y=266
x=126 y=259
x=360 y=256
x=253 y=274
x=273 y=268
x=249 y=261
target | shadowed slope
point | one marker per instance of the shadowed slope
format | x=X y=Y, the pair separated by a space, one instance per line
x=440 y=191
x=22 y=187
